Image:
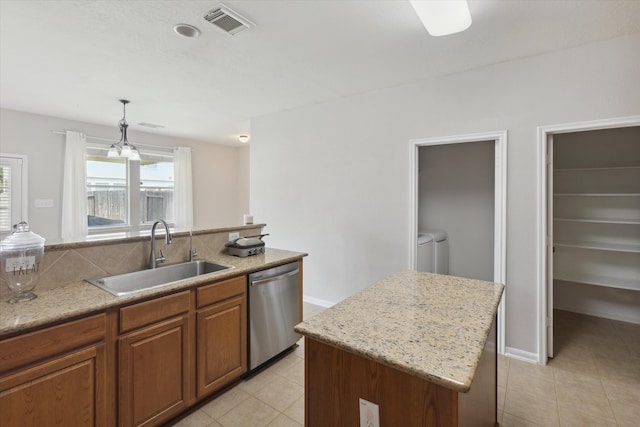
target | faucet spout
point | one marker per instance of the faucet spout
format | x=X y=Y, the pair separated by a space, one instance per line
x=153 y=260
x=192 y=252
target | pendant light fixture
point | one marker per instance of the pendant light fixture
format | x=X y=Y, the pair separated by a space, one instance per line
x=123 y=148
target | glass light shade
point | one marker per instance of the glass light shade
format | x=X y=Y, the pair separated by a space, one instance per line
x=135 y=155
x=113 y=151
x=443 y=17
x=125 y=151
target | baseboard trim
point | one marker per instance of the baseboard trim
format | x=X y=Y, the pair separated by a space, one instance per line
x=318 y=301
x=525 y=356
x=606 y=314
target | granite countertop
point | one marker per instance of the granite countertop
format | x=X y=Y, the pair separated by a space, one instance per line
x=428 y=325
x=79 y=298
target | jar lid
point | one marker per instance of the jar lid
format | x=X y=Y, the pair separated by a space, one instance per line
x=21 y=238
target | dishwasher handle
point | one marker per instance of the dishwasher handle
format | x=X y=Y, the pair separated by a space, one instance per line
x=274 y=278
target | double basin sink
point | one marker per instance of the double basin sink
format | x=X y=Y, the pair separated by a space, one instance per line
x=124 y=284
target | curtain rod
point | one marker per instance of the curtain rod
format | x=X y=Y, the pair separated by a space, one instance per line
x=111 y=141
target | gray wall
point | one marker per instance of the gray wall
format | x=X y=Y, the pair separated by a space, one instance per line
x=456 y=194
x=333 y=180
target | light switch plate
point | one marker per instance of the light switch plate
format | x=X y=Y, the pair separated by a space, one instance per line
x=43 y=203
x=369 y=414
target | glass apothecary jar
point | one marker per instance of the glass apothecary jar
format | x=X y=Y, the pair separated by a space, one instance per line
x=21 y=255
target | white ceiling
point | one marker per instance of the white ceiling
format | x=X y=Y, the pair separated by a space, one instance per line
x=75 y=59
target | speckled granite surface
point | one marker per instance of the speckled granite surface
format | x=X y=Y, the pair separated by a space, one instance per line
x=79 y=297
x=428 y=325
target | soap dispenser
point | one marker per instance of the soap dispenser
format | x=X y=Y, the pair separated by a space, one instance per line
x=21 y=255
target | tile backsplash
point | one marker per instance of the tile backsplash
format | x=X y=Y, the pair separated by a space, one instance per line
x=74 y=262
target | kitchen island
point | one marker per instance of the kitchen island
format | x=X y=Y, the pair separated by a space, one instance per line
x=420 y=346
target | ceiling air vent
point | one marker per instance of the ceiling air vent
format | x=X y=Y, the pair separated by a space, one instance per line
x=228 y=20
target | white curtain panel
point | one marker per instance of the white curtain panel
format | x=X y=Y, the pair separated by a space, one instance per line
x=74 y=190
x=183 y=190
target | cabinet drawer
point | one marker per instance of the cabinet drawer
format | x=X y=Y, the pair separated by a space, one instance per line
x=215 y=292
x=30 y=347
x=145 y=313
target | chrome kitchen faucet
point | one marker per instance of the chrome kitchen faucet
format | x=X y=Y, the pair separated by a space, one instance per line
x=153 y=260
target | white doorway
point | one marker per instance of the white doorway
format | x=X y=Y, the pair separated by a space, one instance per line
x=499 y=208
x=546 y=221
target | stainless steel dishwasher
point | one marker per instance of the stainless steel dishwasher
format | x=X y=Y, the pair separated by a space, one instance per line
x=274 y=309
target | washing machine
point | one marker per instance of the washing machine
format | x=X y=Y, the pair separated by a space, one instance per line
x=433 y=254
x=425 y=253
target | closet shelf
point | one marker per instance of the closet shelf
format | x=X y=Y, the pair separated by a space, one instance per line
x=613 y=247
x=590 y=279
x=596 y=194
x=596 y=169
x=601 y=220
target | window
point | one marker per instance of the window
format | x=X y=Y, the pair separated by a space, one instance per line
x=13 y=208
x=107 y=195
x=5 y=198
x=156 y=189
x=129 y=195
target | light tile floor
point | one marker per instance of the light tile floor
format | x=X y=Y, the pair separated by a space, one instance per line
x=594 y=380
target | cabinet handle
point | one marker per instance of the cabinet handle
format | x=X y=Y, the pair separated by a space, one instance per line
x=273 y=279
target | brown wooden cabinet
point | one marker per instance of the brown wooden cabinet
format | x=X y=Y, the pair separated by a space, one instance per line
x=55 y=376
x=336 y=380
x=221 y=349
x=153 y=379
x=136 y=365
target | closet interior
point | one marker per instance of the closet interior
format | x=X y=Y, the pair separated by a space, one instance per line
x=596 y=222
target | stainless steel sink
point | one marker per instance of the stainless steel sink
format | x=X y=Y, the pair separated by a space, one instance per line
x=143 y=280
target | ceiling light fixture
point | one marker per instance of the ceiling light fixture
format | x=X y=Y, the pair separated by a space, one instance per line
x=186 y=30
x=123 y=148
x=443 y=17
x=243 y=138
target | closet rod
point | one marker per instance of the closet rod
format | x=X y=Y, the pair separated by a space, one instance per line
x=111 y=141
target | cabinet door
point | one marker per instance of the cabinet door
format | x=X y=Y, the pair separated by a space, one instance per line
x=222 y=344
x=154 y=375
x=65 y=391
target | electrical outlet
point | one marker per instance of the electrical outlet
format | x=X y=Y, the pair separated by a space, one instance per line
x=233 y=236
x=369 y=414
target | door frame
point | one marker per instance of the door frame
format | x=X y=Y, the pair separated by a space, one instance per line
x=500 y=207
x=545 y=227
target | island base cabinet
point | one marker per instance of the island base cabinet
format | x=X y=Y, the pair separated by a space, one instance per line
x=153 y=373
x=479 y=406
x=335 y=380
x=65 y=391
